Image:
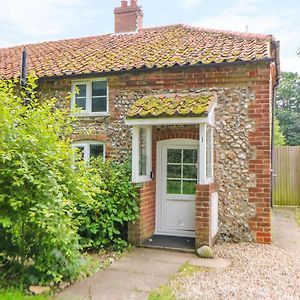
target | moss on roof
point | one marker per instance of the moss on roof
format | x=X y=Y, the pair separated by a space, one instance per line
x=176 y=105
x=158 y=47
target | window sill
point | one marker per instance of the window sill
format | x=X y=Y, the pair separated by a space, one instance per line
x=91 y=115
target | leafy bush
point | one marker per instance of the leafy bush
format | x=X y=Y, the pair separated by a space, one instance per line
x=113 y=203
x=38 y=187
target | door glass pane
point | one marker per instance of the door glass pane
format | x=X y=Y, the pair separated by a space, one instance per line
x=174 y=155
x=189 y=187
x=181 y=171
x=190 y=156
x=174 y=187
x=96 y=150
x=174 y=171
x=190 y=171
x=142 y=152
x=99 y=88
x=99 y=104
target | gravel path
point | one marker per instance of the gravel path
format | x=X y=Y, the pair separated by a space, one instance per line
x=257 y=272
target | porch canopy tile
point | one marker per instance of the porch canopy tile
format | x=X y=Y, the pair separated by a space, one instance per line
x=172 y=105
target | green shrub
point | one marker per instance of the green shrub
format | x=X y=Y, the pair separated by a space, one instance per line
x=38 y=189
x=113 y=203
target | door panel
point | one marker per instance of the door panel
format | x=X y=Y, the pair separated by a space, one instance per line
x=178 y=178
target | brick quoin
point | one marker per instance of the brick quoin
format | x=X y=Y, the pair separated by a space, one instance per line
x=202 y=214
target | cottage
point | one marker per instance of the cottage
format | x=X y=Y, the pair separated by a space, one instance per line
x=191 y=107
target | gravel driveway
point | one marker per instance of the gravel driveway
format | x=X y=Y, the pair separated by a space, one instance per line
x=257 y=272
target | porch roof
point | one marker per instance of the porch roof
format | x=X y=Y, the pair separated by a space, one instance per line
x=172 y=105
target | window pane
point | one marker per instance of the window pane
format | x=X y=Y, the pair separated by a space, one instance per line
x=174 y=155
x=190 y=156
x=81 y=103
x=209 y=157
x=82 y=90
x=99 y=88
x=190 y=171
x=174 y=171
x=96 y=150
x=189 y=187
x=174 y=187
x=99 y=105
x=80 y=152
x=142 y=152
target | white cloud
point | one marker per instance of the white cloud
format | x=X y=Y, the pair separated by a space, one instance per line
x=188 y=4
x=36 y=20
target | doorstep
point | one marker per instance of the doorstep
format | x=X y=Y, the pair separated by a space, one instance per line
x=175 y=243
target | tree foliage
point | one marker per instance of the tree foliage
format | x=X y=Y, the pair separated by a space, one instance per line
x=279 y=139
x=38 y=188
x=51 y=209
x=288 y=107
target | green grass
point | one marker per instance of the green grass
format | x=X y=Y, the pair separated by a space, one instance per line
x=167 y=291
x=15 y=295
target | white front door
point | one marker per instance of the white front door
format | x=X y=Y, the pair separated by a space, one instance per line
x=177 y=162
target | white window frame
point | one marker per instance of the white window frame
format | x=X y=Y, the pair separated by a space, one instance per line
x=211 y=178
x=89 y=91
x=87 y=149
x=136 y=177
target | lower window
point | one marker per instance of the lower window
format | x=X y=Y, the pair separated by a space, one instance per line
x=90 y=149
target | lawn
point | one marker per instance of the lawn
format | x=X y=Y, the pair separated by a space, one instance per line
x=15 y=295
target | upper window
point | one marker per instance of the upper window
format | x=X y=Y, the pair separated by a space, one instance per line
x=90 y=150
x=91 y=97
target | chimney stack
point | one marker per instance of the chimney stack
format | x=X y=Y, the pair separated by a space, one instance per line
x=128 y=18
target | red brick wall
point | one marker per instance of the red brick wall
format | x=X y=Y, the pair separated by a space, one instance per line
x=202 y=214
x=144 y=228
x=261 y=165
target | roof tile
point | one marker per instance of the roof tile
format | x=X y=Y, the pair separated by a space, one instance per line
x=149 y=48
x=171 y=105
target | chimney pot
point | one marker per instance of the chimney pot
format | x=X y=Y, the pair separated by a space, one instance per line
x=124 y=3
x=133 y=3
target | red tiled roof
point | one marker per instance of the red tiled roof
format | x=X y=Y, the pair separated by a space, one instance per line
x=149 y=48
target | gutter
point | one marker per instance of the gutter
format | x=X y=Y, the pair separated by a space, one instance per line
x=154 y=69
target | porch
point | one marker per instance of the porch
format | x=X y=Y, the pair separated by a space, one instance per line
x=172 y=164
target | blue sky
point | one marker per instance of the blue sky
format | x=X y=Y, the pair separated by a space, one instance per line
x=27 y=21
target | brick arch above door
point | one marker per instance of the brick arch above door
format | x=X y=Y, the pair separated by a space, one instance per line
x=175 y=132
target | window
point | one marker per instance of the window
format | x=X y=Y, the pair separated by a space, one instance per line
x=90 y=150
x=209 y=152
x=91 y=97
x=141 y=154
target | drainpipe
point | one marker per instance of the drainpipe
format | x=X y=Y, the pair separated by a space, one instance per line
x=23 y=68
x=274 y=88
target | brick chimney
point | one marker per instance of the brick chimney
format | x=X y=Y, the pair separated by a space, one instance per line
x=128 y=18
